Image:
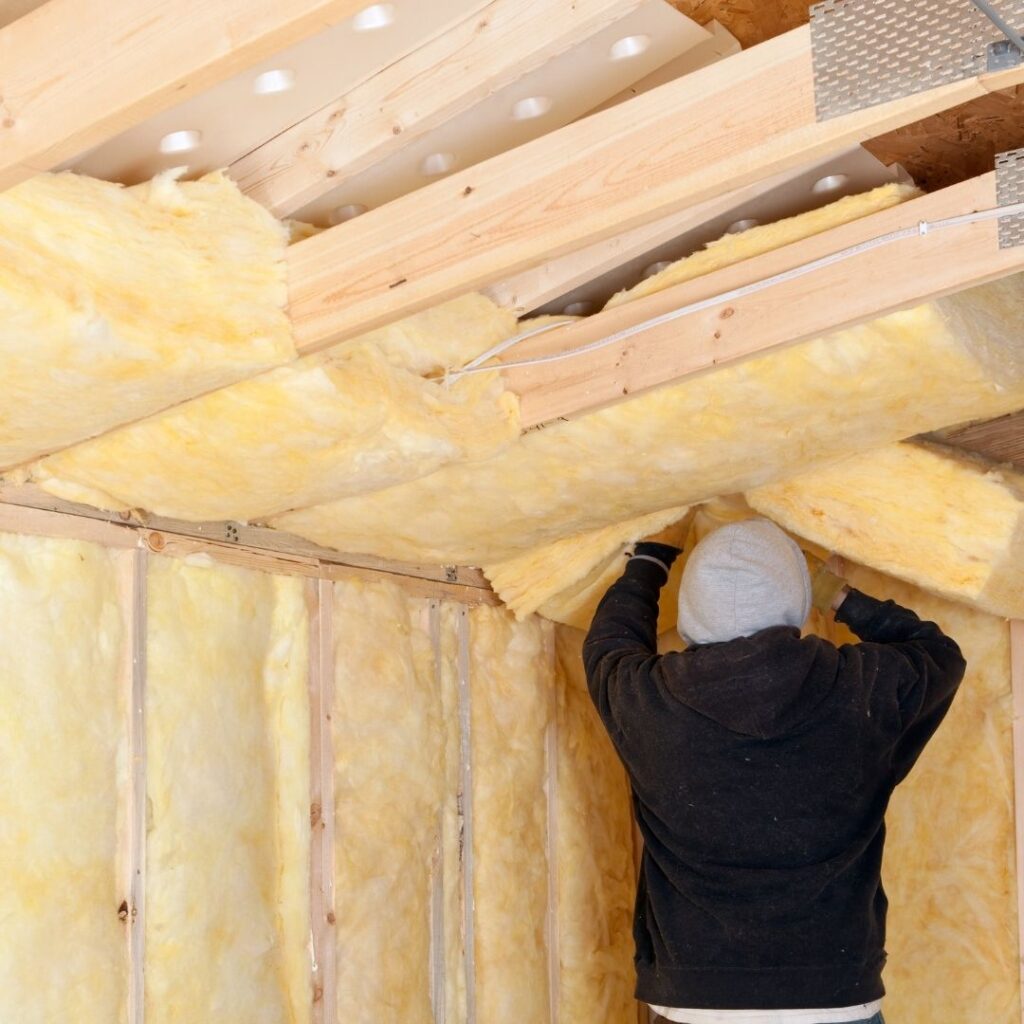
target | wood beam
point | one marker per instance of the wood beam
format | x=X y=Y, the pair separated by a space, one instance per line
x=500 y=42
x=896 y=276
x=720 y=128
x=74 y=73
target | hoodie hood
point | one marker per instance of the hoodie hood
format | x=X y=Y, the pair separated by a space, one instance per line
x=764 y=686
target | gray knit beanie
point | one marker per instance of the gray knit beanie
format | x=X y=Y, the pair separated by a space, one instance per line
x=741 y=579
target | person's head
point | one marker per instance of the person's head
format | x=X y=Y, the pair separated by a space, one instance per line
x=741 y=579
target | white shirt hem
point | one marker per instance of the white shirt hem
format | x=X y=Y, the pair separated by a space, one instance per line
x=839 y=1015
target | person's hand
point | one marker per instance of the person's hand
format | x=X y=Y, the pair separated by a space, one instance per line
x=828 y=588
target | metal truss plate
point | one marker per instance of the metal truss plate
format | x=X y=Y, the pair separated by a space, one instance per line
x=871 y=51
x=1010 y=190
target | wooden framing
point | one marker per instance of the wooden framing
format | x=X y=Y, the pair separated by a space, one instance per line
x=74 y=73
x=745 y=118
x=999 y=440
x=495 y=45
x=27 y=509
x=895 y=276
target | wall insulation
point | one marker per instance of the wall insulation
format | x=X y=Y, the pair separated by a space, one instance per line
x=511 y=674
x=227 y=721
x=949 y=862
x=63 y=713
x=389 y=748
x=117 y=302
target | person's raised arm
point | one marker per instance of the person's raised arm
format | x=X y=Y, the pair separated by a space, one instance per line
x=624 y=633
x=927 y=665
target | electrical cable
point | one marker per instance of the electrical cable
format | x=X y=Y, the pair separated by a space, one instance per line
x=920 y=229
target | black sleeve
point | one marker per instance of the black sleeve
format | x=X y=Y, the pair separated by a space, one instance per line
x=925 y=664
x=624 y=633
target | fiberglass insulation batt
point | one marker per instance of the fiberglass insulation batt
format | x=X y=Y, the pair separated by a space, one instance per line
x=739 y=426
x=354 y=419
x=227 y=846
x=63 y=718
x=949 y=857
x=941 y=520
x=116 y=302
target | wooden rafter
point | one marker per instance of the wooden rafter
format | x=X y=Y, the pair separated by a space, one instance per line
x=720 y=128
x=497 y=44
x=900 y=275
x=74 y=73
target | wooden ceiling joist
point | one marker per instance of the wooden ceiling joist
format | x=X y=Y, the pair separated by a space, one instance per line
x=864 y=287
x=74 y=73
x=500 y=42
x=718 y=129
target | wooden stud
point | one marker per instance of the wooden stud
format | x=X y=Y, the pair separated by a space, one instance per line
x=896 y=276
x=74 y=73
x=497 y=44
x=320 y=602
x=723 y=127
x=43 y=523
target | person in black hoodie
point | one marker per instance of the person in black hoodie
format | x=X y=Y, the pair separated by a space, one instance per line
x=761 y=766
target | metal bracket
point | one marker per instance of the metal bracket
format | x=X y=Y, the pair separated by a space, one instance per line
x=1010 y=190
x=868 y=52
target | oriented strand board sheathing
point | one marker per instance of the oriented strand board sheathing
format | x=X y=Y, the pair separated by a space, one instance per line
x=743 y=425
x=389 y=746
x=63 y=717
x=947 y=523
x=325 y=428
x=117 y=302
x=227 y=732
x=512 y=684
x=596 y=871
x=949 y=860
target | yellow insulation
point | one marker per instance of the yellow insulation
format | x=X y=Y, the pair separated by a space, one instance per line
x=949 y=860
x=738 y=427
x=389 y=776
x=296 y=436
x=227 y=732
x=116 y=302
x=351 y=420
x=63 y=712
x=942 y=521
x=596 y=869
x=512 y=688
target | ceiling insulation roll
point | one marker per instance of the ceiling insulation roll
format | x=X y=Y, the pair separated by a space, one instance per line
x=743 y=425
x=116 y=302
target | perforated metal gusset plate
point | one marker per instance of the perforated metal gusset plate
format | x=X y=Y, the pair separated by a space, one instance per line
x=870 y=51
x=1010 y=190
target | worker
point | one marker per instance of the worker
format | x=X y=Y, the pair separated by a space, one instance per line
x=761 y=766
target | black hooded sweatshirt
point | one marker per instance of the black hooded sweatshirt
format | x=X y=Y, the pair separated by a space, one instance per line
x=761 y=770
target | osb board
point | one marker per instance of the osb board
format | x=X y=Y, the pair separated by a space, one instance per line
x=750 y=21
x=949 y=859
x=956 y=144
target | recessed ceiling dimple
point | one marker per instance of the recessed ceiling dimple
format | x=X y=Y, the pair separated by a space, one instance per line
x=272 y=82
x=830 y=183
x=531 y=107
x=348 y=212
x=739 y=226
x=374 y=17
x=181 y=142
x=437 y=163
x=629 y=46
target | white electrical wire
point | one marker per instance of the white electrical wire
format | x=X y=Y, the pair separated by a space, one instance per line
x=922 y=228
